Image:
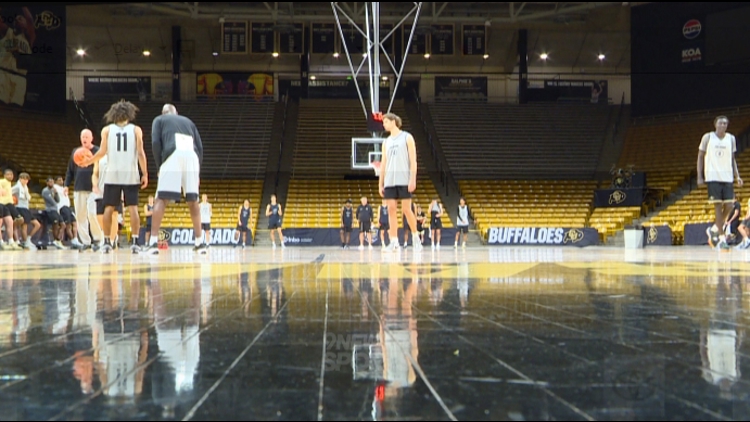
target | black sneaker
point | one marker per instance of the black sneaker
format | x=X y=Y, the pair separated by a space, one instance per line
x=202 y=249
x=95 y=247
x=152 y=250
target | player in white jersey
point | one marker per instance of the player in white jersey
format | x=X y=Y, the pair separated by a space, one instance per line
x=717 y=168
x=122 y=144
x=15 y=40
x=398 y=178
x=207 y=210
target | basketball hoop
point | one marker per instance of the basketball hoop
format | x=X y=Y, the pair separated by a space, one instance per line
x=376 y=166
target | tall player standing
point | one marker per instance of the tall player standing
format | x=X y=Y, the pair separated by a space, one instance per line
x=717 y=168
x=122 y=144
x=178 y=152
x=398 y=178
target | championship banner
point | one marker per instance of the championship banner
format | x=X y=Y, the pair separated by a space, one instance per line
x=658 y=236
x=543 y=236
x=125 y=86
x=258 y=85
x=186 y=237
x=234 y=37
x=33 y=55
x=695 y=234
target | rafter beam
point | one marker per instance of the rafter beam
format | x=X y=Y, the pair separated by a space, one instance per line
x=440 y=11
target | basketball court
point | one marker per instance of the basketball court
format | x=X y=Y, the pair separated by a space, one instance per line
x=320 y=334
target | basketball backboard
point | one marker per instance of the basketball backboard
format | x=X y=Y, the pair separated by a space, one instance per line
x=365 y=151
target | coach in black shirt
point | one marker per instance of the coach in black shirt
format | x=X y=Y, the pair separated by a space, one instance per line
x=84 y=199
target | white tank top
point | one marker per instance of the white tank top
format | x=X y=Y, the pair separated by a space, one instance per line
x=122 y=156
x=102 y=174
x=719 y=164
x=205 y=213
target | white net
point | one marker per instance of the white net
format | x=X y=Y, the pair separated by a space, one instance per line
x=376 y=166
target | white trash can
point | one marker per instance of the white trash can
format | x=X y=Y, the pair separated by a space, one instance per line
x=634 y=238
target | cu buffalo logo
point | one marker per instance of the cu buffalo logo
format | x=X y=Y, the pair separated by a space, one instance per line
x=692 y=29
x=653 y=235
x=164 y=236
x=617 y=197
x=47 y=20
x=573 y=236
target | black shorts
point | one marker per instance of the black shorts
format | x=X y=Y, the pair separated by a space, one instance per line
x=273 y=225
x=745 y=223
x=113 y=195
x=397 y=192
x=420 y=229
x=53 y=217
x=100 y=207
x=365 y=226
x=242 y=229
x=385 y=226
x=346 y=229
x=67 y=215
x=719 y=192
x=463 y=229
x=436 y=224
x=12 y=211
x=4 y=212
x=28 y=217
x=206 y=227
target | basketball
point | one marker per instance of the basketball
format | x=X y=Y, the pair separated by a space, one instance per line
x=81 y=155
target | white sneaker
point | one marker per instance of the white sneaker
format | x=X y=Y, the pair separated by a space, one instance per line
x=361 y=247
x=59 y=245
x=76 y=243
x=455 y=245
x=15 y=246
x=463 y=245
x=369 y=247
x=30 y=245
x=438 y=246
x=283 y=246
x=417 y=243
x=274 y=245
x=433 y=246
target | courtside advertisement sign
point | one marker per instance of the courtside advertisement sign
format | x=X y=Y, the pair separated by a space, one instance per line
x=535 y=236
x=186 y=237
x=692 y=29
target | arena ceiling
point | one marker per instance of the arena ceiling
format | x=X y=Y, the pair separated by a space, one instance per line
x=432 y=12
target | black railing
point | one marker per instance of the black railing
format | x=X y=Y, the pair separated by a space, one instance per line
x=281 y=144
x=82 y=112
x=438 y=163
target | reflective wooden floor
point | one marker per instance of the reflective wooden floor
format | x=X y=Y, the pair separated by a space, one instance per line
x=324 y=334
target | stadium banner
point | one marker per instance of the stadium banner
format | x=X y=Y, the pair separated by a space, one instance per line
x=458 y=87
x=336 y=88
x=332 y=237
x=33 y=55
x=595 y=92
x=531 y=236
x=116 y=86
x=695 y=234
x=658 y=236
x=609 y=198
x=220 y=236
x=256 y=84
